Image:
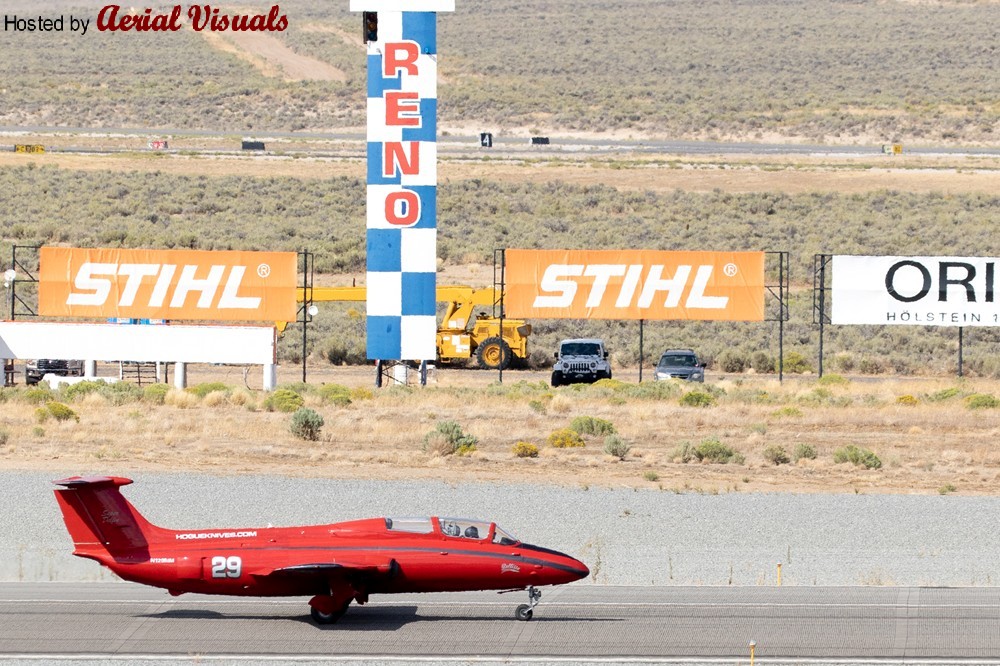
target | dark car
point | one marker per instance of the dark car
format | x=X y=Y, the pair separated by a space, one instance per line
x=680 y=364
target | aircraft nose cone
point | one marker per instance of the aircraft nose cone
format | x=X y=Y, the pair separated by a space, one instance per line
x=572 y=569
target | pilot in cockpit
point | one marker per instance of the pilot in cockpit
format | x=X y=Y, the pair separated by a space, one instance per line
x=450 y=529
x=472 y=532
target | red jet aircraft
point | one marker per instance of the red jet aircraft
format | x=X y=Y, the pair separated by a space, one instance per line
x=336 y=563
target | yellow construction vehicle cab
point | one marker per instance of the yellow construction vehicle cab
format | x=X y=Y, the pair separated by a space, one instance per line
x=468 y=327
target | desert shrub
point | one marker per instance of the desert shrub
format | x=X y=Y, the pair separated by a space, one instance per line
x=335 y=394
x=947 y=488
x=832 y=379
x=796 y=363
x=518 y=389
x=61 y=412
x=776 y=455
x=752 y=396
x=240 y=398
x=857 y=456
x=362 y=393
x=42 y=415
x=565 y=438
x=697 y=399
x=944 y=394
x=201 y=390
x=525 y=450
x=683 y=452
x=4 y=437
x=762 y=363
x=651 y=390
x=589 y=425
x=447 y=438
x=844 y=362
x=283 y=400
x=73 y=392
x=787 y=412
x=465 y=449
x=615 y=446
x=37 y=395
x=121 y=393
x=537 y=406
x=340 y=352
x=306 y=424
x=805 y=451
x=650 y=475
x=824 y=396
x=901 y=365
x=732 y=361
x=155 y=393
x=215 y=399
x=871 y=366
x=297 y=387
x=613 y=384
x=714 y=451
x=981 y=401
x=906 y=400
x=181 y=399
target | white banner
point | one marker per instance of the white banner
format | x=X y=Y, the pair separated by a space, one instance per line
x=136 y=342
x=915 y=291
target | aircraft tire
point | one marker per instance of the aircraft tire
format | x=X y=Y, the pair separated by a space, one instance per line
x=523 y=612
x=326 y=618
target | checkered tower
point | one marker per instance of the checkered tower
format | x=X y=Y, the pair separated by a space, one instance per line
x=402 y=179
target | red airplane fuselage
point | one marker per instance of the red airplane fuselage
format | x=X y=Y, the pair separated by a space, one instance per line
x=334 y=563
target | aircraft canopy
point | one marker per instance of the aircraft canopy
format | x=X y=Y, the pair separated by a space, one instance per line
x=466 y=528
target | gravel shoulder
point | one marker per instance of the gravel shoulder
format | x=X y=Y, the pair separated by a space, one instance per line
x=627 y=537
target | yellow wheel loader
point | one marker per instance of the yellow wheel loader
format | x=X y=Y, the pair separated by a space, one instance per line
x=468 y=327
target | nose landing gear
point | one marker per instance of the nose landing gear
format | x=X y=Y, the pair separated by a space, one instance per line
x=525 y=611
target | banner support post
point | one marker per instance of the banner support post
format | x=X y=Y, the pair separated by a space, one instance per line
x=641 y=357
x=960 y=343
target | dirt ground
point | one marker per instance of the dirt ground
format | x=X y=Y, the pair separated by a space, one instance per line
x=271 y=57
x=933 y=446
x=946 y=174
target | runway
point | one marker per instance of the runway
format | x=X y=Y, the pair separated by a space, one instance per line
x=48 y=621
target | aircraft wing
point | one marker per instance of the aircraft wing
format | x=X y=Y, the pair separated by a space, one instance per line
x=331 y=570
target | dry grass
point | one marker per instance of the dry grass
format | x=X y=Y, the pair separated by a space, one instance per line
x=923 y=447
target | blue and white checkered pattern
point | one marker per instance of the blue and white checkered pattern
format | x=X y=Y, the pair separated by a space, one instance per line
x=402 y=174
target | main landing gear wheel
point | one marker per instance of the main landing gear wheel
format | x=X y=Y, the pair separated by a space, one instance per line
x=525 y=611
x=324 y=608
x=319 y=617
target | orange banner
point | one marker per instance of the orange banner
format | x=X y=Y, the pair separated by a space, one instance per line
x=167 y=284
x=635 y=284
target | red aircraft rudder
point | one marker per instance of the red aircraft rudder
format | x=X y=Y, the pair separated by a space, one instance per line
x=101 y=521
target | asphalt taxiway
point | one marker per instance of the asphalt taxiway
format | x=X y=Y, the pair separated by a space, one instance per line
x=118 y=621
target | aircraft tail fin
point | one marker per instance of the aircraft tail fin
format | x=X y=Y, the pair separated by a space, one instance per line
x=101 y=521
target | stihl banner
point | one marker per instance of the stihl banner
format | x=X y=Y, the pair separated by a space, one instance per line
x=635 y=284
x=167 y=284
x=922 y=291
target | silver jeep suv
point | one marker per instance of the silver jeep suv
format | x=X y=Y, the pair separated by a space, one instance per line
x=580 y=360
